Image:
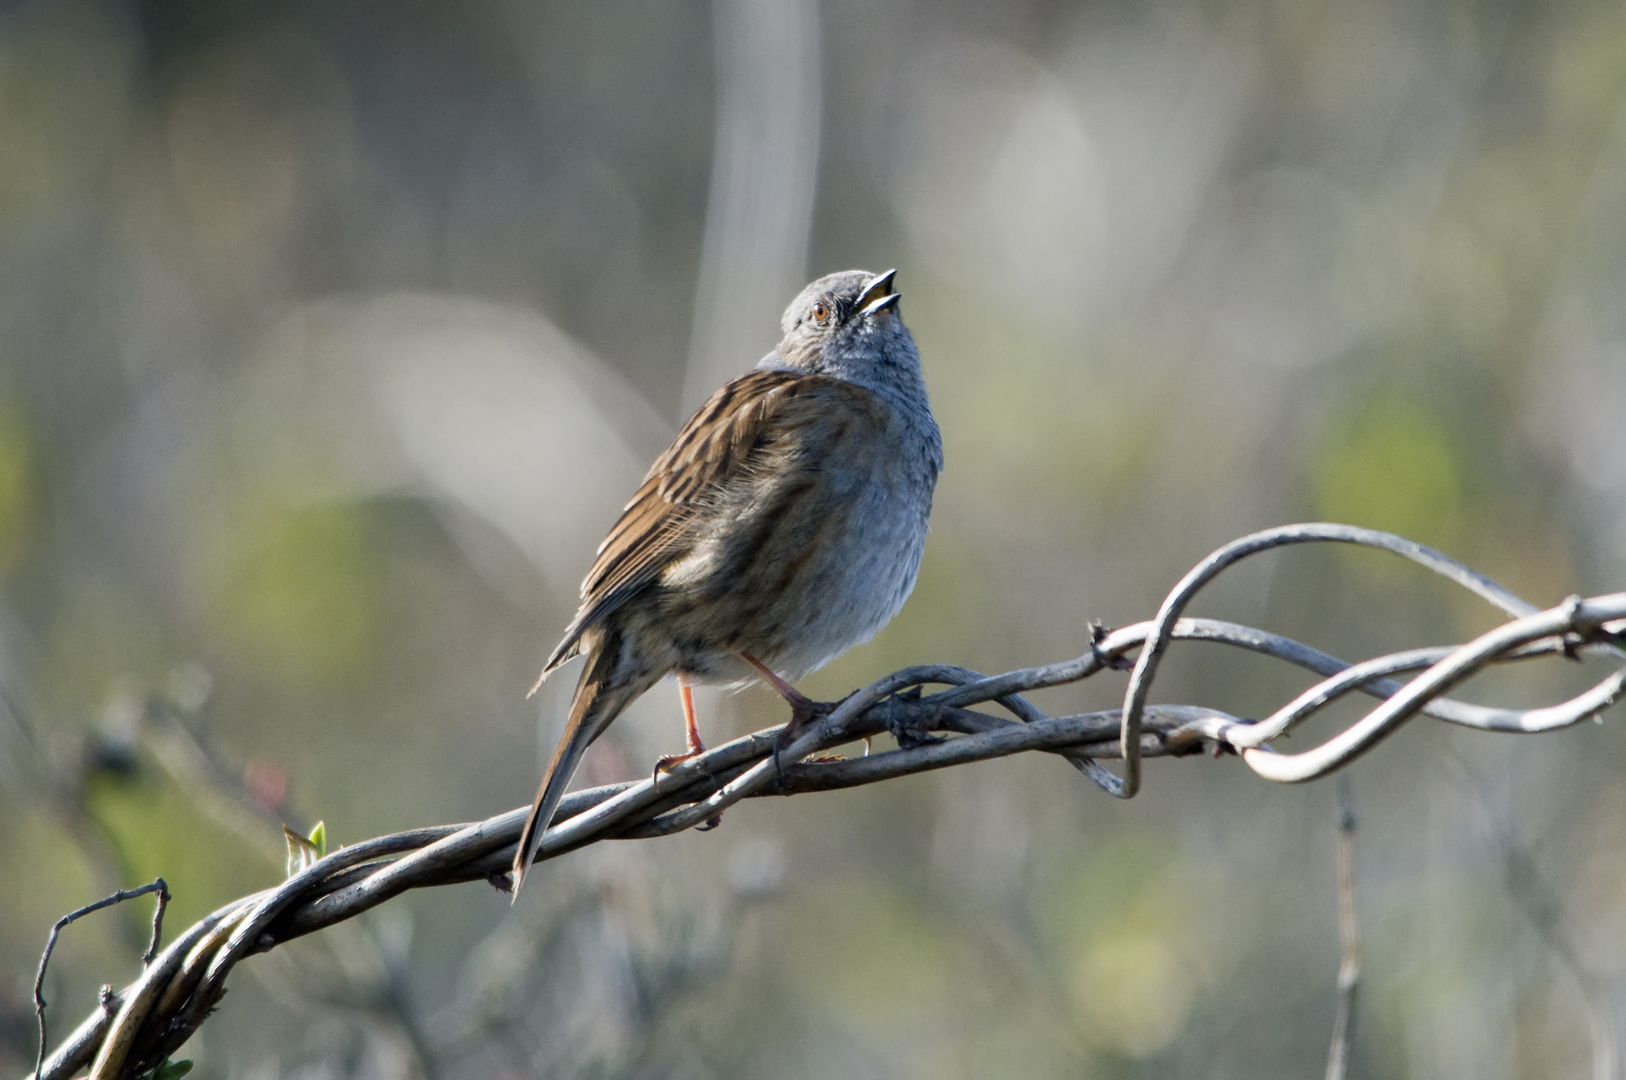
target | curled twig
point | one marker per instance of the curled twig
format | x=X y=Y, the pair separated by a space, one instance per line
x=157 y=886
x=157 y=1013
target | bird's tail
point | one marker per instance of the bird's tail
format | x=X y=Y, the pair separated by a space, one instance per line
x=598 y=700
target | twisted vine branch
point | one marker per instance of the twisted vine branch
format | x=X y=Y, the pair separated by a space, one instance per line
x=141 y=1025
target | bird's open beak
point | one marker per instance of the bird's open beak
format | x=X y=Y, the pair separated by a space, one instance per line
x=878 y=295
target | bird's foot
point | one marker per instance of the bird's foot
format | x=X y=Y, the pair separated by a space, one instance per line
x=803 y=709
x=804 y=712
x=665 y=764
x=670 y=761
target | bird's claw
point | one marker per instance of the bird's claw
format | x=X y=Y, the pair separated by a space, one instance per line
x=667 y=763
x=804 y=712
x=779 y=745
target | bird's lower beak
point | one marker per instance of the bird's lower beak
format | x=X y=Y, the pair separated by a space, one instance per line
x=885 y=303
x=877 y=294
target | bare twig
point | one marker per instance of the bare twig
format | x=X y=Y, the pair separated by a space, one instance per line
x=182 y=750
x=157 y=920
x=158 y=1012
x=1540 y=905
x=119 y=897
x=1349 y=941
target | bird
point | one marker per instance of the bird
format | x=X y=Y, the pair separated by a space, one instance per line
x=785 y=524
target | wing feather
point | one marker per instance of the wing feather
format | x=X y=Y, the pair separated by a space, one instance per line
x=722 y=445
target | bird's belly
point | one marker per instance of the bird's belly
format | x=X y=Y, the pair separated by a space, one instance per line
x=852 y=590
x=805 y=580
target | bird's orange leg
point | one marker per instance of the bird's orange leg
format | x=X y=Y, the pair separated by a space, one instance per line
x=696 y=748
x=692 y=730
x=802 y=707
x=802 y=710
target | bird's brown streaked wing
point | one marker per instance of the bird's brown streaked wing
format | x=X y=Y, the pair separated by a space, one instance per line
x=719 y=446
x=713 y=448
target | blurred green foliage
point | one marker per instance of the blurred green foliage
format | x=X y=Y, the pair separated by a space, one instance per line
x=290 y=292
x=1129 y=975
x=157 y=832
x=299 y=598
x=1393 y=467
x=17 y=484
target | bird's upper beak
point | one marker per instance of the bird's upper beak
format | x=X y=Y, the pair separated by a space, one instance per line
x=878 y=295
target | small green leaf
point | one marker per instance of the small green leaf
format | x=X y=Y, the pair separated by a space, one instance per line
x=319 y=838
x=301 y=852
x=168 y=1070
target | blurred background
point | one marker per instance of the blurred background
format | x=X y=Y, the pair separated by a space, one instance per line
x=333 y=336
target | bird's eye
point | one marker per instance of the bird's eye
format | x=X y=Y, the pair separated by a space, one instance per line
x=821 y=313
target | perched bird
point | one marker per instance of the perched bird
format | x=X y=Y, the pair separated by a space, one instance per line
x=784 y=525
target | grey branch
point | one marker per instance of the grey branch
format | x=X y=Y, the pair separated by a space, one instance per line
x=153 y=1016
x=1349 y=938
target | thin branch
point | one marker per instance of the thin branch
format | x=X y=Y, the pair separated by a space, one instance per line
x=1537 y=901
x=157 y=921
x=157 y=886
x=157 y=1013
x=1349 y=941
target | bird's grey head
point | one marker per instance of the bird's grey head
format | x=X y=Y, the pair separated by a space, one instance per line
x=848 y=325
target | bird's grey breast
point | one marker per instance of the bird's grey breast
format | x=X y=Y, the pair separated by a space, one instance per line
x=876 y=529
